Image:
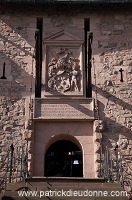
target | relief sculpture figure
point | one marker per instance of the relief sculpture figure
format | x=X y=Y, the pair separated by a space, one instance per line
x=75 y=76
x=64 y=74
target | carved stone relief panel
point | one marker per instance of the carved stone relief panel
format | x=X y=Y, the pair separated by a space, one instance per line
x=62 y=68
x=64 y=73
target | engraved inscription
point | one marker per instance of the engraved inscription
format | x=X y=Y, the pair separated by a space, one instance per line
x=64 y=110
x=64 y=72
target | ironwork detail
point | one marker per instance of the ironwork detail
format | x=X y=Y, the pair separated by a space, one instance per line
x=3 y=76
x=115 y=168
x=38 y=57
x=121 y=70
x=15 y=165
x=89 y=64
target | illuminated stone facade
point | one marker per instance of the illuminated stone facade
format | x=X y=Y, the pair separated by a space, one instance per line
x=63 y=111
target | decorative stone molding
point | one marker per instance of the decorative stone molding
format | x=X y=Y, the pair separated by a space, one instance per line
x=99 y=126
x=30 y=131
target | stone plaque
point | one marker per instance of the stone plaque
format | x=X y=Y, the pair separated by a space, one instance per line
x=62 y=72
x=64 y=109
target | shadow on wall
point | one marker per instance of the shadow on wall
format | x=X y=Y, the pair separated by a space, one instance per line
x=17 y=47
x=118 y=121
x=19 y=30
x=18 y=81
x=17 y=42
x=12 y=106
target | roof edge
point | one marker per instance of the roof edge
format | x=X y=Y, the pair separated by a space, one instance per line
x=66 y=1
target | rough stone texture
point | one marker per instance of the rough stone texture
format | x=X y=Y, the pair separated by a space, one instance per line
x=12 y=129
x=16 y=50
x=113 y=53
x=112 y=50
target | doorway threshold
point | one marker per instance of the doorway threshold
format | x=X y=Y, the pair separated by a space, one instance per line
x=66 y=179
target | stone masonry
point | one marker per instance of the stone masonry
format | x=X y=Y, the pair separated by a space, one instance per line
x=16 y=50
x=111 y=51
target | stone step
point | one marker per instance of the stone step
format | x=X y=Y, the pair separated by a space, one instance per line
x=100 y=189
x=53 y=181
x=78 y=184
x=64 y=188
x=43 y=186
x=65 y=179
x=16 y=187
x=20 y=184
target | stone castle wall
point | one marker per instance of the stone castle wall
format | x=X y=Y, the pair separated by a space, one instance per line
x=16 y=51
x=112 y=45
x=112 y=51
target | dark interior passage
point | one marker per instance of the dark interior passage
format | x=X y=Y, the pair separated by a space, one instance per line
x=63 y=158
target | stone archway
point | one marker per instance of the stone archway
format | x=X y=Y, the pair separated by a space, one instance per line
x=63 y=158
x=79 y=133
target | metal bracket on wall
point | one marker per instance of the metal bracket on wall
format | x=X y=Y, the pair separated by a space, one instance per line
x=3 y=76
x=121 y=70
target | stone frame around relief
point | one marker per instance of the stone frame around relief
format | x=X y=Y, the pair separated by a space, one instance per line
x=62 y=68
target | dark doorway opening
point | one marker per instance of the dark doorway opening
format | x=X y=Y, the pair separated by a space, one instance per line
x=63 y=159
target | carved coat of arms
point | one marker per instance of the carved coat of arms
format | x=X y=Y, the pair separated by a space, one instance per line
x=64 y=72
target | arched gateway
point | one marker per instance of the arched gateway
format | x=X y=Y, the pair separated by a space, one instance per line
x=63 y=158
